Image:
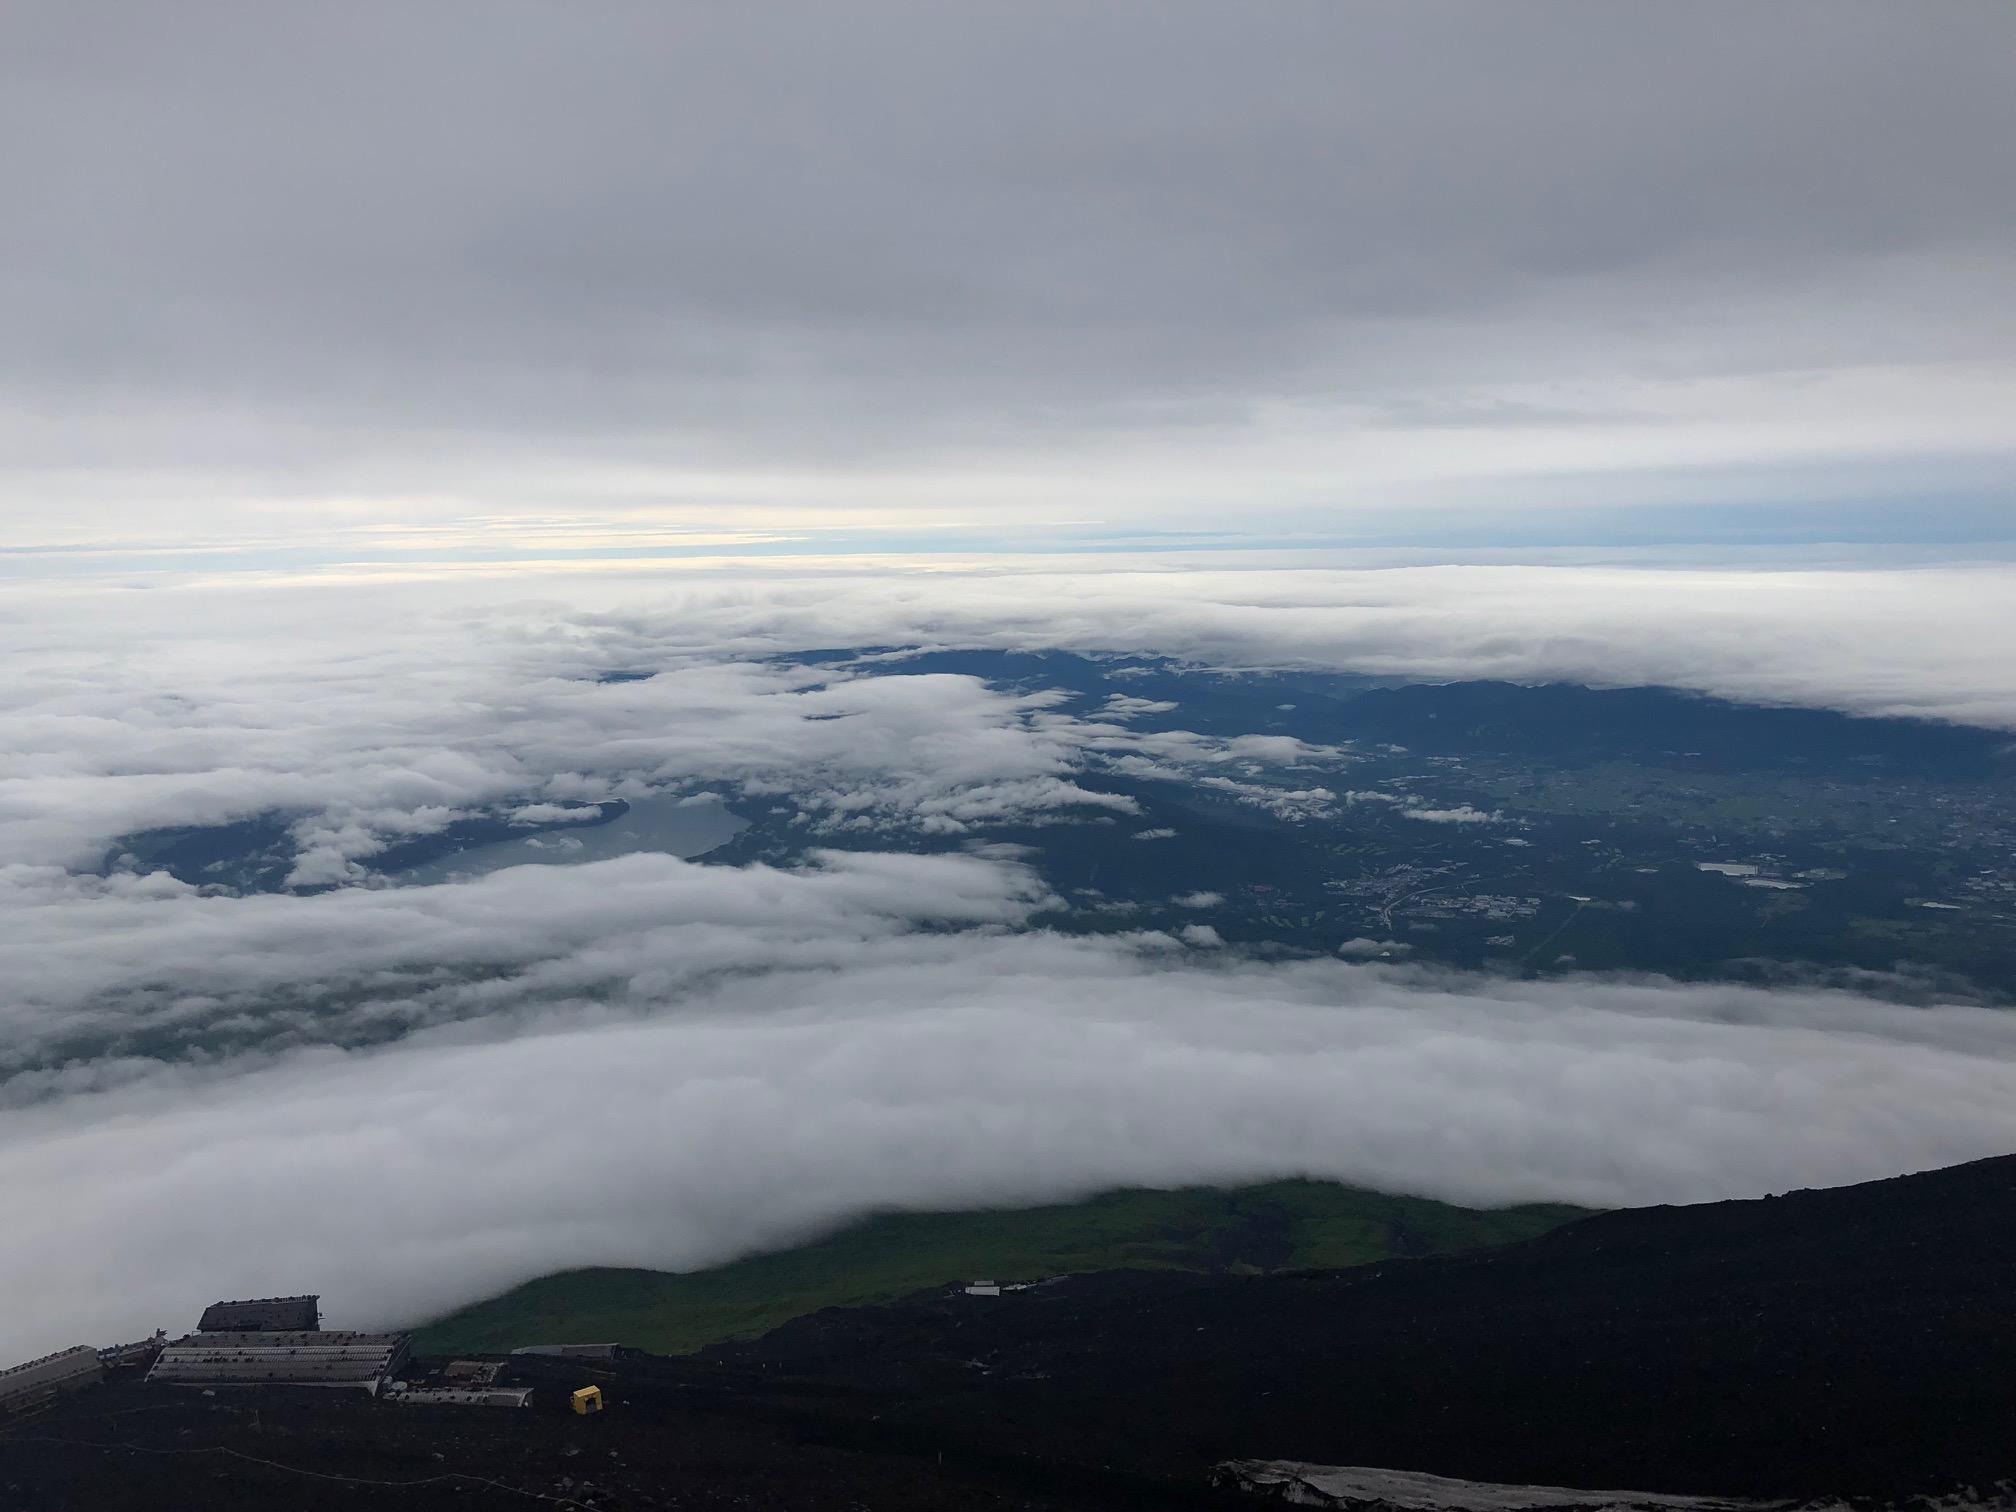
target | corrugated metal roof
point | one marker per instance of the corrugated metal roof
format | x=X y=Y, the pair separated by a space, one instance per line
x=76 y=1366
x=312 y=1358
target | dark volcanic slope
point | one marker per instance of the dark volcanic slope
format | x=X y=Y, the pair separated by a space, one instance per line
x=1856 y=1340
x=1859 y=1341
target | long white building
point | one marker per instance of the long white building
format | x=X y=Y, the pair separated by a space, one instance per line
x=61 y=1371
x=356 y=1361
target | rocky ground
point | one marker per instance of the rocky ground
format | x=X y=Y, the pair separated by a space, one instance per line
x=1856 y=1341
x=163 y=1449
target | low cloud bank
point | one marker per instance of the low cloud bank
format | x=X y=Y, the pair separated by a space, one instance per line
x=1012 y=1069
x=105 y=982
x=1919 y=642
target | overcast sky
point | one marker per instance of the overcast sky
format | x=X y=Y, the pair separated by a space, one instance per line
x=1348 y=269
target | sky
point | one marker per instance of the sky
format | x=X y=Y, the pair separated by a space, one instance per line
x=292 y=278
x=375 y=379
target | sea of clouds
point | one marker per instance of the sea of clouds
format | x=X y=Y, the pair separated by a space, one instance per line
x=407 y=1097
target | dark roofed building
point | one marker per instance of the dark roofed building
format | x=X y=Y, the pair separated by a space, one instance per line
x=263 y=1315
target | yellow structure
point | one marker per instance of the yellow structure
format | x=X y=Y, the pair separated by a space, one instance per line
x=588 y=1399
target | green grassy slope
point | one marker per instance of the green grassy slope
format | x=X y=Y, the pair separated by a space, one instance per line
x=1282 y=1225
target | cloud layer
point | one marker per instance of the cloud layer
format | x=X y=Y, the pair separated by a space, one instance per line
x=409 y=1096
x=381 y=710
x=1020 y=1068
x=105 y=983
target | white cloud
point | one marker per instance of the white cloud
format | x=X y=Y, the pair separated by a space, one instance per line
x=1365 y=948
x=1463 y=813
x=1013 y=1068
x=1282 y=803
x=1198 y=900
x=431 y=721
x=555 y=813
x=1121 y=706
x=105 y=978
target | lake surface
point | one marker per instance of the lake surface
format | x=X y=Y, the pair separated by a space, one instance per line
x=683 y=827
